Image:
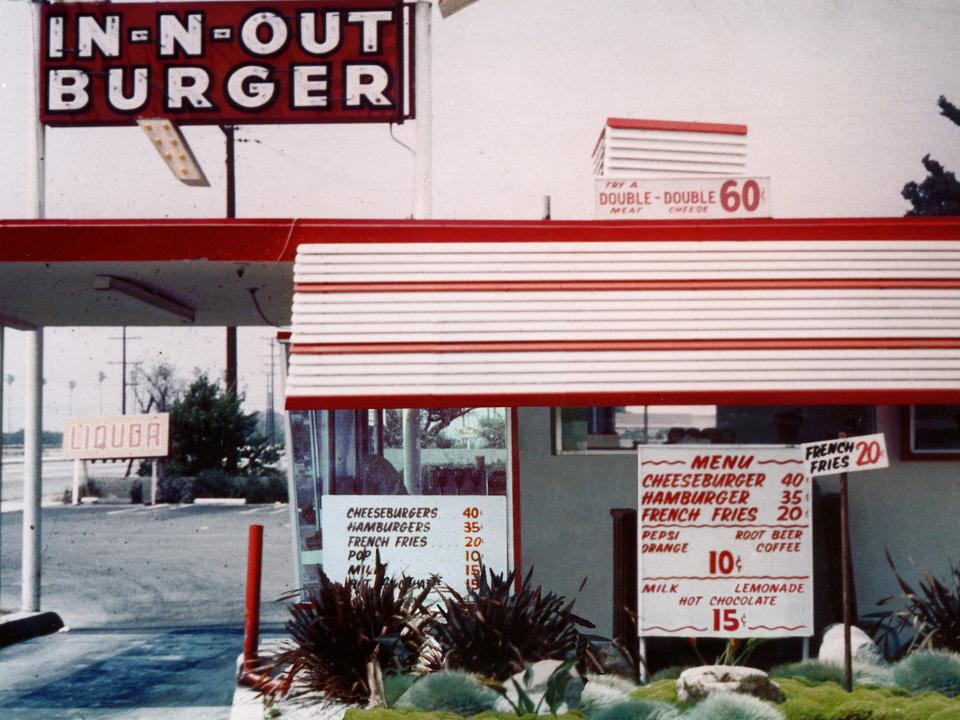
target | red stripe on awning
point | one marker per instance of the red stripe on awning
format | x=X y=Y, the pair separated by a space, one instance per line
x=676 y=126
x=586 y=399
x=614 y=285
x=627 y=345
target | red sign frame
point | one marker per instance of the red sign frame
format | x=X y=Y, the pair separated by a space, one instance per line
x=211 y=63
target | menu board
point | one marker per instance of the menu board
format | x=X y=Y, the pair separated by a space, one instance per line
x=422 y=535
x=724 y=542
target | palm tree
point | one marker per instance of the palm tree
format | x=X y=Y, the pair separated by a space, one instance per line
x=71 y=385
x=101 y=376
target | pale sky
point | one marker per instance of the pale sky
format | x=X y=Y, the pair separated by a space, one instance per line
x=839 y=98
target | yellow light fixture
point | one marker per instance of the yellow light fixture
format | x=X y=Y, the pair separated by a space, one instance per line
x=173 y=148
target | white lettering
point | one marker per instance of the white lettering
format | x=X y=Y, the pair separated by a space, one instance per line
x=247 y=92
x=308 y=33
x=188 y=84
x=54 y=37
x=67 y=90
x=141 y=86
x=309 y=86
x=250 y=33
x=174 y=34
x=371 y=32
x=366 y=84
x=90 y=33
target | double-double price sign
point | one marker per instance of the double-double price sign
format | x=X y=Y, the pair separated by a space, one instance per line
x=226 y=62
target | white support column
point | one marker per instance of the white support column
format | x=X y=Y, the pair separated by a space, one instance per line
x=36 y=169
x=76 y=482
x=423 y=158
x=411 y=451
x=422 y=205
x=154 y=479
x=1 y=442
x=32 y=459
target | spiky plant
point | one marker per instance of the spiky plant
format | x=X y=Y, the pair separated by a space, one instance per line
x=929 y=614
x=495 y=632
x=346 y=635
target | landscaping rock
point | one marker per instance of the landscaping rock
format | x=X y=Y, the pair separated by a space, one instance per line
x=536 y=688
x=700 y=682
x=613 y=661
x=862 y=648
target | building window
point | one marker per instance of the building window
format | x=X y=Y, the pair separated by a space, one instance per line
x=625 y=428
x=460 y=451
x=933 y=432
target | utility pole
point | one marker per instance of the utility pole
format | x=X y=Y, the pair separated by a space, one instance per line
x=123 y=369
x=231 y=374
x=269 y=426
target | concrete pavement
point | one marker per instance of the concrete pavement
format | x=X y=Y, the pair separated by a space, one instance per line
x=154 y=600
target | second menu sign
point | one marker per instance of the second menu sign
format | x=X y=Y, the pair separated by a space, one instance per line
x=724 y=542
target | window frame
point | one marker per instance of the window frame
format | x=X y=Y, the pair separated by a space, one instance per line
x=556 y=436
x=907 y=451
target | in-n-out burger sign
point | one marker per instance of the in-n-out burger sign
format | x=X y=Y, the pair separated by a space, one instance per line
x=216 y=62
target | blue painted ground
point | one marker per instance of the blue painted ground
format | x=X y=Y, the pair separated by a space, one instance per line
x=130 y=673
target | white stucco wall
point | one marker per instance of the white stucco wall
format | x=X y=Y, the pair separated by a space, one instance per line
x=912 y=507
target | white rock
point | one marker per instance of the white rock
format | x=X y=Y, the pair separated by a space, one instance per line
x=700 y=682
x=863 y=650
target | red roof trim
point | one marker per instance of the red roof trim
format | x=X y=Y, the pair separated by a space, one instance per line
x=628 y=345
x=276 y=240
x=702 y=397
x=647 y=285
x=675 y=126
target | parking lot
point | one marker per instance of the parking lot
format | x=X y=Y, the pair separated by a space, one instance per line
x=153 y=598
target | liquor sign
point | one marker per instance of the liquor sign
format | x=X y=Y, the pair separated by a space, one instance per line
x=422 y=535
x=683 y=198
x=121 y=436
x=724 y=542
x=830 y=457
x=226 y=62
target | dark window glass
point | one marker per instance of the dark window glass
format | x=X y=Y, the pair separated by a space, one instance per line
x=627 y=427
x=935 y=429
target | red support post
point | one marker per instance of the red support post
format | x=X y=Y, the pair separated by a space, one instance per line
x=251 y=624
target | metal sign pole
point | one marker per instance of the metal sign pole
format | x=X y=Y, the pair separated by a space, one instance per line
x=845 y=562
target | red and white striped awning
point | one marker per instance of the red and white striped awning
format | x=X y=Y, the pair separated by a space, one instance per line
x=749 y=312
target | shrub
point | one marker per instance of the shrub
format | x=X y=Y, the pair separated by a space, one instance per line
x=732 y=707
x=930 y=614
x=638 y=710
x=602 y=691
x=395 y=685
x=929 y=671
x=265 y=489
x=668 y=673
x=449 y=690
x=814 y=671
x=174 y=489
x=348 y=633
x=664 y=690
x=495 y=632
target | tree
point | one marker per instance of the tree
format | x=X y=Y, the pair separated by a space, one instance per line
x=939 y=193
x=210 y=431
x=157 y=389
x=493 y=430
x=432 y=423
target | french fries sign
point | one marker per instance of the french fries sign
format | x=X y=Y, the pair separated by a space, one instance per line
x=845 y=455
